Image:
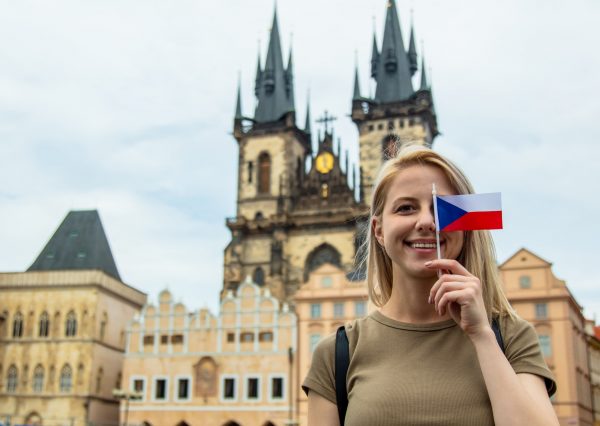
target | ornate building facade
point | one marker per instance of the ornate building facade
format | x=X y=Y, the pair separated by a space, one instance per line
x=63 y=338
x=194 y=368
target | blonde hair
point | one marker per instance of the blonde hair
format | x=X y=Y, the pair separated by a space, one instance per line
x=478 y=255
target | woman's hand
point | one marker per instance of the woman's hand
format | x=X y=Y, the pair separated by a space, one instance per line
x=460 y=294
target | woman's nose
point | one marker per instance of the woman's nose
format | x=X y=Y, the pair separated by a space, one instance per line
x=426 y=222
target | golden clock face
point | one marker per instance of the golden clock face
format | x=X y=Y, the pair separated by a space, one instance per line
x=324 y=162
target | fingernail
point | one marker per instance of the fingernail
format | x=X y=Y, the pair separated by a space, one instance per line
x=429 y=299
x=428 y=263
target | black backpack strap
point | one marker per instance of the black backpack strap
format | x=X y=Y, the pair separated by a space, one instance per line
x=498 y=333
x=342 y=360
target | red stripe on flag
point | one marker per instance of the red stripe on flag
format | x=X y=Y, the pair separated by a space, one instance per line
x=473 y=221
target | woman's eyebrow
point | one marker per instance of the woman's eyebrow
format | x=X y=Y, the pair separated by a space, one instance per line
x=403 y=199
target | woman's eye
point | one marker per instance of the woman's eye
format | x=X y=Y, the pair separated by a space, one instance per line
x=404 y=208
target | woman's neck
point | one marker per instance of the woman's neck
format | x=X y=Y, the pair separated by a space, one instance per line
x=409 y=301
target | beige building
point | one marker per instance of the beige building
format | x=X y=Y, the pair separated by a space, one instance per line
x=324 y=303
x=546 y=302
x=63 y=338
x=194 y=368
x=593 y=339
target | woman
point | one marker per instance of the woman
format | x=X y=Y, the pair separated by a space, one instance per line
x=428 y=355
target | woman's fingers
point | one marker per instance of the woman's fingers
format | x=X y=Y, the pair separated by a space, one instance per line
x=448 y=264
x=464 y=296
x=445 y=279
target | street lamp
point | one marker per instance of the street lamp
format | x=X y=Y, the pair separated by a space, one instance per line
x=120 y=394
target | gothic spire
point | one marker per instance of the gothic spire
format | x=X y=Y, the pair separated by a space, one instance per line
x=307 y=123
x=412 y=52
x=275 y=91
x=424 y=85
x=356 y=95
x=394 y=76
x=258 y=79
x=238 y=104
x=374 y=57
x=289 y=79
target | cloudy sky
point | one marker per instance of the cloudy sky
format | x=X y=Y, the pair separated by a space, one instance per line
x=127 y=107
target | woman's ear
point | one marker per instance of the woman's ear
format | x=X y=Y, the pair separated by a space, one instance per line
x=377 y=231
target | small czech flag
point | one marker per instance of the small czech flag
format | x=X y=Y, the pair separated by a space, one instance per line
x=468 y=212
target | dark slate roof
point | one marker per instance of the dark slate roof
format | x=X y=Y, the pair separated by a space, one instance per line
x=392 y=69
x=78 y=243
x=274 y=84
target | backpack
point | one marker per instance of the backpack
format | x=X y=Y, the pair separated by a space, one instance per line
x=342 y=360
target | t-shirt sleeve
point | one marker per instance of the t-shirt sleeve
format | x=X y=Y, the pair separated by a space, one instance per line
x=523 y=351
x=321 y=376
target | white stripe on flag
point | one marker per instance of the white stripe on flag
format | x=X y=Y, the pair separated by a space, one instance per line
x=475 y=202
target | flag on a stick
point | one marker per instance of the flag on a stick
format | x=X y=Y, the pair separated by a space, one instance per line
x=468 y=212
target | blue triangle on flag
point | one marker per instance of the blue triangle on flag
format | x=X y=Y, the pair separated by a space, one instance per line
x=448 y=213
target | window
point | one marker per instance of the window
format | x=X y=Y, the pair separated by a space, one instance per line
x=38 y=379
x=138 y=385
x=326 y=282
x=99 y=380
x=44 y=324
x=541 y=310
x=160 y=389
x=252 y=388
x=177 y=338
x=546 y=344
x=148 y=339
x=380 y=126
x=71 y=325
x=247 y=337
x=371 y=127
x=360 y=308
x=65 y=379
x=390 y=146
x=229 y=388
x=250 y=171
x=164 y=339
x=183 y=388
x=103 y=325
x=390 y=125
x=338 y=309
x=259 y=276
x=18 y=325
x=265 y=336
x=525 y=281
x=315 y=310
x=12 y=379
x=230 y=337
x=276 y=387
x=314 y=340
x=264 y=173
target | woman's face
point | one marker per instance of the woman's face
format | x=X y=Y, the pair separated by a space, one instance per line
x=406 y=228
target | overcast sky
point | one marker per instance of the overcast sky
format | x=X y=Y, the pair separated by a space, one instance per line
x=127 y=107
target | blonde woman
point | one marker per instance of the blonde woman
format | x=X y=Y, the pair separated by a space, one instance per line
x=428 y=354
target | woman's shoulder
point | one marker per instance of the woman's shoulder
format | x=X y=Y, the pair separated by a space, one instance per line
x=326 y=347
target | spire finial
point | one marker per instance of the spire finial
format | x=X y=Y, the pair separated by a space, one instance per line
x=238 y=104
x=307 y=123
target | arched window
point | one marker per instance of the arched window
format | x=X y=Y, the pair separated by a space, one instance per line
x=33 y=419
x=71 y=325
x=322 y=254
x=99 y=380
x=103 y=325
x=66 y=376
x=80 y=371
x=44 y=324
x=12 y=379
x=18 y=325
x=259 y=276
x=390 y=146
x=264 y=173
x=38 y=379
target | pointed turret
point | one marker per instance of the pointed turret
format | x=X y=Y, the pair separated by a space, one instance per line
x=289 y=79
x=275 y=91
x=424 y=85
x=356 y=95
x=374 y=58
x=258 y=79
x=412 y=52
x=307 y=122
x=393 y=68
x=238 y=103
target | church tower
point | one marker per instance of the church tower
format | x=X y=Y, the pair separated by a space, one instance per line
x=397 y=114
x=288 y=220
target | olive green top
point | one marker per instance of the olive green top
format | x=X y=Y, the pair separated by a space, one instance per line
x=419 y=374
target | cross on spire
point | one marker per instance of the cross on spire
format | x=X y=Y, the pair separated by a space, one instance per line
x=326 y=118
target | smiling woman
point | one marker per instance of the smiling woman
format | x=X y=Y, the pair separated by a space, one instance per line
x=444 y=347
